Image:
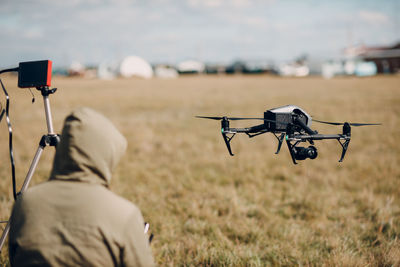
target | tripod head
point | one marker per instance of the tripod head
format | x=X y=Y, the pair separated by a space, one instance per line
x=46 y=91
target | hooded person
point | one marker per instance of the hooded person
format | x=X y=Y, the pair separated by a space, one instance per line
x=73 y=219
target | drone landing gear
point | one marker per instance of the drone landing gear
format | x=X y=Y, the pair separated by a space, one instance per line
x=227 y=140
x=344 y=145
x=280 y=140
x=225 y=131
x=251 y=132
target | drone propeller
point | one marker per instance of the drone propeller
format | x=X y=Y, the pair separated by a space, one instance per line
x=236 y=119
x=352 y=124
x=229 y=118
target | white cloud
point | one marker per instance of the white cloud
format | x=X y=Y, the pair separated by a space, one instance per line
x=246 y=40
x=237 y=4
x=220 y=3
x=256 y=22
x=243 y=20
x=373 y=17
x=155 y=16
x=33 y=33
x=205 y=3
x=165 y=37
x=241 y=3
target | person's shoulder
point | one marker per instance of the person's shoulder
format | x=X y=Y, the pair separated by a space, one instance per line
x=116 y=202
x=118 y=211
x=36 y=191
x=122 y=202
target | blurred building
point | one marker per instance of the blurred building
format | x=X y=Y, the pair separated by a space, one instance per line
x=214 y=68
x=249 y=67
x=294 y=69
x=191 y=67
x=165 y=71
x=76 y=69
x=355 y=67
x=386 y=58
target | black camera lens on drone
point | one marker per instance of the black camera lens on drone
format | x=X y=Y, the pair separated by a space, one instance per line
x=303 y=153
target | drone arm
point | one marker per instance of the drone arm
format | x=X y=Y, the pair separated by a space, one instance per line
x=306 y=137
x=305 y=127
x=225 y=129
x=258 y=129
x=256 y=134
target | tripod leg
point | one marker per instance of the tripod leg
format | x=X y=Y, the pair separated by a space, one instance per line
x=4 y=235
x=28 y=178
x=32 y=168
x=47 y=110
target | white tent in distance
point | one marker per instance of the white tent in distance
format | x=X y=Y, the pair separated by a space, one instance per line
x=134 y=66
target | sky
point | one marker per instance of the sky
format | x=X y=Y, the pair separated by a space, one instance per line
x=169 y=31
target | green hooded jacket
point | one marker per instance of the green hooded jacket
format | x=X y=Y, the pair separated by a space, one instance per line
x=73 y=219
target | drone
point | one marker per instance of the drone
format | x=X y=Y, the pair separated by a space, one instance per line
x=290 y=123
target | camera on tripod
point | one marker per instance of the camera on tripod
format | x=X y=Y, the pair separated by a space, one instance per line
x=34 y=74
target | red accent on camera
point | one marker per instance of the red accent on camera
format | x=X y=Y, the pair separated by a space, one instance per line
x=49 y=68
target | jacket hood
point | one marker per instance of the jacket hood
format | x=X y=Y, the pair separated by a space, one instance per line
x=89 y=150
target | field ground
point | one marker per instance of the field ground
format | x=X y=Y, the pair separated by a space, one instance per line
x=207 y=208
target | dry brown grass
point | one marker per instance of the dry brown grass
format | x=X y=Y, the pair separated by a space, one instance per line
x=254 y=209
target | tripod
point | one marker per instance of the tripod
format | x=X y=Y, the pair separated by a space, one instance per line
x=49 y=139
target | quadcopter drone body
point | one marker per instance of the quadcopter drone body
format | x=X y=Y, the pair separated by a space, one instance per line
x=293 y=124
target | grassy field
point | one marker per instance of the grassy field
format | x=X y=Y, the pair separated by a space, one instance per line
x=207 y=208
